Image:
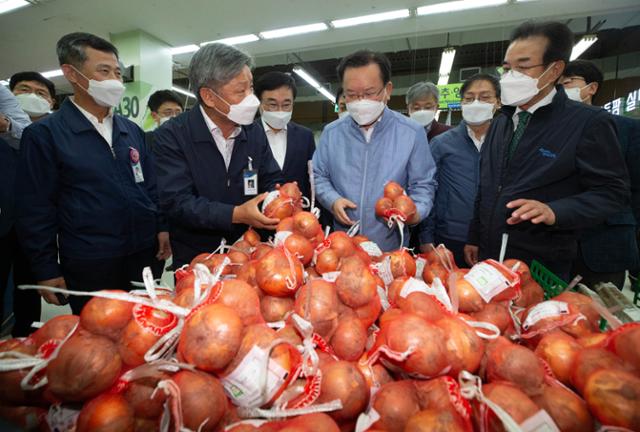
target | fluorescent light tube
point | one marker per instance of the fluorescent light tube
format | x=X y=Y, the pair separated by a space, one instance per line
x=184 y=49
x=313 y=83
x=9 y=5
x=582 y=46
x=183 y=91
x=366 y=19
x=290 y=31
x=235 y=40
x=454 y=6
x=446 y=63
x=52 y=73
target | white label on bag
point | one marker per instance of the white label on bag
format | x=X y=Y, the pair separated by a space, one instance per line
x=243 y=384
x=270 y=197
x=413 y=285
x=331 y=276
x=384 y=270
x=487 y=280
x=420 y=263
x=366 y=420
x=438 y=290
x=547 y=309
x=539 y=422
x=281 y=236
x=371 y=249
x=384 y=300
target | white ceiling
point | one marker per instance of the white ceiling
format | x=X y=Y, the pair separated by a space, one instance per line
x=28 y=35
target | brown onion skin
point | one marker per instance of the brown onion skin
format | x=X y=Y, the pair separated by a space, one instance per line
x=349 y=339
x=396 y=402
x=321 y=309
x=511 y=399
x=383 y=205
x=590 y=360
x=465 y=348
x=138 y=395
x=568 y=411
x=356 y=285
x=626 y=346
x=301 y=247
x=106 y=413
x=243 y=298
x=613 y=397
x=559 y=350
x=273 y=270
x=507 y=361
x=275 y=308
x=306 y=224
x=431 y=420
x=327 y=261
x=402 y=264
x=86 y=366
x=405 y=205
x=56 y=328
x=342 y=380
x=202 y=396
x=393 y=190
x=496 y=314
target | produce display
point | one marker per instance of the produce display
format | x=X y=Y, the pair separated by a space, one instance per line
x=319 y=331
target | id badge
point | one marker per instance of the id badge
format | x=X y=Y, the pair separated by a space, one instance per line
x=250 y=178
x=136 y=167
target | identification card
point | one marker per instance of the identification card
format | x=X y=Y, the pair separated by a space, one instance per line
x=250 y=178
x=136 y=167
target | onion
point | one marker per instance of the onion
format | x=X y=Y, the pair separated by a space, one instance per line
x=531 y=294
x=12 y=393
x=395 y=402
x=383 y=205
x=469 y=301
x=589 y=361
x=393 y=190
x=568 y=411
x=405 y=205
x=349 y=339
x=185 y=282
x=279 y=274
x=626 y=344
x=464 y=347
x=285 y=224
x=356 y=284
x=496 y=314
x=368 y=314
x=317 y=302
x=251 y=237
x=275 y=308
x=56 y=328
x=342 y=244
x=106 y=317
x=522 y=269
x=434 y=270
x=613 y=396
x=435 y=421
x=203 y=400
x=301 y=247
x=247 y=273
x=402 y=263
x=243 y=245
x=517 y=364
x=291 y=190
x=342 y=380
x=306 y=224
x=584 y=305
x=559 y=350
x=138 y=395
x=86 y=366
x=261 y=250
x=106 y=413
x=511 y=399
x=211 y=337
x=327 y=261
x=279 y=207
x=242 y=298
x=421 y=304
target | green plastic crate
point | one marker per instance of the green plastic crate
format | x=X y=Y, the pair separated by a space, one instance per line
x=550 y=283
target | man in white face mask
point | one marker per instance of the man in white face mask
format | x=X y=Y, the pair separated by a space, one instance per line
x=214 y=164
x=164 y=105
x=35 y=93
x=86 y=185
x=358 y=155
x=550 y=167
x=422 y=105
x=457 y=156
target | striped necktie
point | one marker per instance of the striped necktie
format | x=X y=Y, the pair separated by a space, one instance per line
x=523 y=121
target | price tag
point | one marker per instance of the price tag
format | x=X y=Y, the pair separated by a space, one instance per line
x=547 y=309
x=371 y=248
x=487 y=280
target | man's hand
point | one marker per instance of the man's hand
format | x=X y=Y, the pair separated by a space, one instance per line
x=5 y=123
x=427 y=247
x=339 y=212
x=249 y=213
x=49 y=296
x=471 y=254
x=530 y=210
x=164 y=246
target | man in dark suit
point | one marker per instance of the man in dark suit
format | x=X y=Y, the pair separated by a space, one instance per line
x=292 y=145
x=608 y=250
x=422 y=104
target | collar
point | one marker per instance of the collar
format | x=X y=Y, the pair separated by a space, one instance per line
x=542 y=102
x=268 y=129
x=78 y=122
x=88 y=114
x=211 y=126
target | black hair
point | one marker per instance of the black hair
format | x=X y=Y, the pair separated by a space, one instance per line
x=559 y=38
x=363 y=58
x=32 y=76
x=274 y=80
x=495 y=82
x=339 y=95
x=162 y=96
x=71 y=47
x=585 y=69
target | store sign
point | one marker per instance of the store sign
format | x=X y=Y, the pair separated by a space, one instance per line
x=134 y=104
x=624 y=105
x=449 y=96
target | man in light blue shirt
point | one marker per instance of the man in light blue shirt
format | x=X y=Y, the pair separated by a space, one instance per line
x=357 y=155
x=12 y=119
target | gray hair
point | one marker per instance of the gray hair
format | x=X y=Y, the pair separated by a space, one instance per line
x=422 y=90
x=215 y=65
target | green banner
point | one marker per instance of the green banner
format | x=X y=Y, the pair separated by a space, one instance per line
x=449 y=96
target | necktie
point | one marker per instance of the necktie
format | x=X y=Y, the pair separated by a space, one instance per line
x=523 y=121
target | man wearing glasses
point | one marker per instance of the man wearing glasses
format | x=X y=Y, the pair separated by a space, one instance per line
x=457 y=156
x=550 y=166
x=357 y=155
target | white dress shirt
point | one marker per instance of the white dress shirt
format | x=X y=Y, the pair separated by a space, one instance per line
x=368 y=132
x=476 y=141
x=533 y=108
x=104 y=128
x=277 y=142
x=225 y=145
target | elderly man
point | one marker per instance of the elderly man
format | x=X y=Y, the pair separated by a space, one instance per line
x=86 y=183
x=214 y=165
x=36 y=94
x=550 y=166
x=357 y=155
x=422 y=104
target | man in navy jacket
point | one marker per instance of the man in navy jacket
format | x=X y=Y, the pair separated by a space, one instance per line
x=86 y=187
x=291 y=144
x=550 y=166
x=213 y=164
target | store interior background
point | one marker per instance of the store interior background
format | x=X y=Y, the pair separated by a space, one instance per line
x=157 y=39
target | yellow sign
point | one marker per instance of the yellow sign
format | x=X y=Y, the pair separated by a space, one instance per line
x=449 y=96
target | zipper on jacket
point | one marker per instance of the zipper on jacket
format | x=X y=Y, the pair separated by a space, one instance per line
x=364 y=183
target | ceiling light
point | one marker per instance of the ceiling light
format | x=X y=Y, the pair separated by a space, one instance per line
x=52 y=73
x=290 y=31
x=184 y=49
x=183 y=91
x=582 y=46
x=366 y=19
x=313 y=83
x=446 y=63
x=9 y=5
x=454 y=6
x=235 y=40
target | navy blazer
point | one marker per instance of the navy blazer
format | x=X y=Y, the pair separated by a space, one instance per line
x=612 y=246
x=74 y=191
x=197 y=193
x=568 y=158
x=8 y=165
x=300 y=149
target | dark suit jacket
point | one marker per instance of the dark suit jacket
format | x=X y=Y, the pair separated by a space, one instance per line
x=8 y=165
x=300 y=148
x=436 y=129
x=612 y=246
